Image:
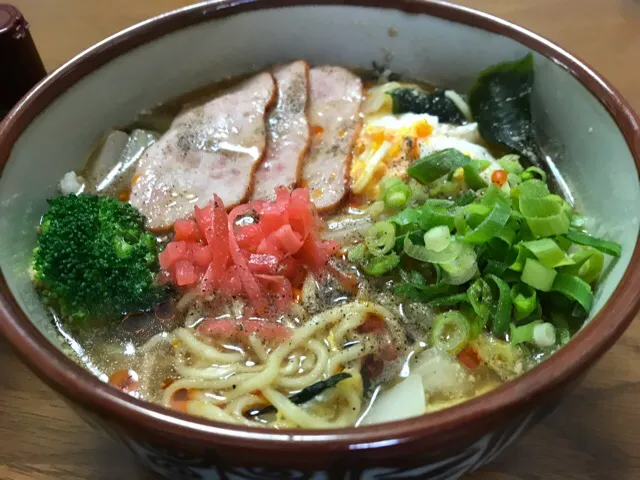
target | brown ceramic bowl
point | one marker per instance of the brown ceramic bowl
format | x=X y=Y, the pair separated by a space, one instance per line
x=50 y=131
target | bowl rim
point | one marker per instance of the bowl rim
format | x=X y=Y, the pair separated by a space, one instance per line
x=65 y=376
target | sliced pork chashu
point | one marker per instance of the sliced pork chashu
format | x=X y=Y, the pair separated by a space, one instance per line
x=334 y=116
x=213 y=148
x=287 y=132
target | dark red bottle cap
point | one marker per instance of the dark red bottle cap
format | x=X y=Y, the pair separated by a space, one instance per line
x=20 y=64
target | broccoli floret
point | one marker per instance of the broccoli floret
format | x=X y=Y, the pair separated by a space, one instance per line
x=95 y=262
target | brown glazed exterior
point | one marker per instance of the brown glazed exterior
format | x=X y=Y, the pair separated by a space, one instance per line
x=441 y=445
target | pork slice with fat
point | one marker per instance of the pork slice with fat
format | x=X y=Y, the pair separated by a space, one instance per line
x=287 y=132
x=334 y=116
x=212 y=148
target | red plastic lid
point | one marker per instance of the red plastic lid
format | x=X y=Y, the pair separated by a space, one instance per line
x=20 y=64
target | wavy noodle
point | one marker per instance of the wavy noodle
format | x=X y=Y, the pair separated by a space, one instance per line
x=204 y=350
x=223 y=385
x=199 y=384
x=345 y=356
x=321 y=354
x=294 y=412
x=258 y=348
x=156 y=340
x=292 y=366
x=239 y=406
x=210 y=373
x=302 y=334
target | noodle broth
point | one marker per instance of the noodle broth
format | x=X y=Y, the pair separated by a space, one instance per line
x=368 y=336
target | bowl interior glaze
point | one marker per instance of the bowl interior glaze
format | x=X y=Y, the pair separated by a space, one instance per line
x=587 y=145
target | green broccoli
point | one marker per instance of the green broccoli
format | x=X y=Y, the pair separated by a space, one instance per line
x=95 y=262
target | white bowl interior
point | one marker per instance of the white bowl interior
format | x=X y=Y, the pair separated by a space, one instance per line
x=590 y=151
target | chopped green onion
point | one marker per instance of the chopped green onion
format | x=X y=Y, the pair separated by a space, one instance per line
x=544 y=215
x=579 y=257
x=377 y=266
x=574 y=288
x=387 y=183
x=577 y=220
x=480 y=298
x=449 y=300
x=591 y=269
x=588 y=264
x=548 y=253
x=465 y=198
x=537 y=275
x=437 y=239
x=380 y=238
x=544 y=335
x=513 y=180
x=460 y=224
x=357 y=253
x=511 y=163
x=507 y=235
x=502 y=309
x=522 y=255
x=556 y=224
x=564 y=244
x=523 y=333
x=419 y=193
x=491 y=225
x=375 y=209
x=476 y=324
x=462 y=268
x=524 y=300
x=531 y=173
x=412 y=276
x=450 y=253
x=446 y=188
x=397 y=196
x=493 y=195
x=495 y=267
x=472 y=177
x=533 y=188
x=566 y=207
x=406 y=217
x=480 y=165
x=605 y=246
x=476 y=213
x=436 y=165
x=450 y=330
x=438 y=212
x=563 y=332
x=538 y=333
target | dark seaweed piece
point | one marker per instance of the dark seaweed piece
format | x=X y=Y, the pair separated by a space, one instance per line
x=308 y=393
x=500 y=101
x=412 y=100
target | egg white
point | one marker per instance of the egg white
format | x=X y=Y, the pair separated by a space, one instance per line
x=397 y=128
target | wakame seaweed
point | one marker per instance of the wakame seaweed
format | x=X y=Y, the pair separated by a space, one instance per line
x=411 y=100
x=308 y=393
x=500 y=101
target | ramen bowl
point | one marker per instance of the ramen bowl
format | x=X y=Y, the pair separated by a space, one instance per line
x=594 y=140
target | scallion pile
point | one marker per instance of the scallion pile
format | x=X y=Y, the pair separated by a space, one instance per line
x=505 y=255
